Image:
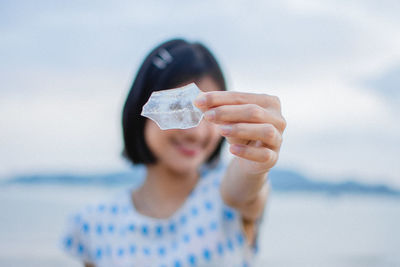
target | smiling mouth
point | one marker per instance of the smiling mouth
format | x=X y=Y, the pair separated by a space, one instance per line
x=187 y=149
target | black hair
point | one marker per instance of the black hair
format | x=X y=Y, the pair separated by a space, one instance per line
x=190 y=62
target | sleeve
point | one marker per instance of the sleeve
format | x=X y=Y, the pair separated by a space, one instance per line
x=259 y=222
x=235 y=239
x=75 y=239
x=238 y=227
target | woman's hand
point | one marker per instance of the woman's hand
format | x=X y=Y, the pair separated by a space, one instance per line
x=252 y=124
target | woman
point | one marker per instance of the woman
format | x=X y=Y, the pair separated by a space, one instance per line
x=191 y=210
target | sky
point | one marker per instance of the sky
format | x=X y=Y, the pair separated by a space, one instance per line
x=66 y=68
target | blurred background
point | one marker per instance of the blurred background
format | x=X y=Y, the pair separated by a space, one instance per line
x=66 y=68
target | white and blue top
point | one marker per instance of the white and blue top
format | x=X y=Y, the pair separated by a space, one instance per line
x=202 y=232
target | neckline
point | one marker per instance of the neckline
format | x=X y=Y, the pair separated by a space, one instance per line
x=174 y=216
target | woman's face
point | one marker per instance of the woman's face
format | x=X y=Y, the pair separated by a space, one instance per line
x=184 y=150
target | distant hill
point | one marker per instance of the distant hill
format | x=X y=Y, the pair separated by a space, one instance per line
x=290 y=181
x=281 y=180
x=101 y=179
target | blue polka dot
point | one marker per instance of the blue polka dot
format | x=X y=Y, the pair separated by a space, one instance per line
x=145 y=230
x=121 y=252
x=174 y=245
x=132 y=249
x=177 y=263
x=85 y=228
x=203 y=172
x=194 y=211
x=220 y=248
x=80 y=248
x=204 y=189
x=77 y=218
x=159 y=230
x=68 y=242
x=131 y=227
x=101 y=207
x=213 y=226
x=99 y=253
x=245 y=264
x=172 y=227
x=207 y=254
x=240 y=239
x=99 y=229
x=183 y=219
x=111 y=228
x=161 y=251
x=229 y=215
x=192 y=260
x=216 y=183
x=146 y=251
x=186 y=238
x=208 y=205
x=200 y=231
x=114 y=209
x=229 y=244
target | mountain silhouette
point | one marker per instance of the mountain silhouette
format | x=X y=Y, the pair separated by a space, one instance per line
x=282 y=180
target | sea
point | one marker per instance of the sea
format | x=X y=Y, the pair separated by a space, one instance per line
x=298 y=229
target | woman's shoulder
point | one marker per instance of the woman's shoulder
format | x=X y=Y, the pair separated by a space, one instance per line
x=98 y=216
x=94 y=221
x=112 y=206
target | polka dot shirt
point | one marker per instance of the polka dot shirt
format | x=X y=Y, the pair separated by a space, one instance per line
x=202 y=232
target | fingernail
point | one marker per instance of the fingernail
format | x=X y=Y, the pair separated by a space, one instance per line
x=225 y=129
x=200 y=100
x=209 y=115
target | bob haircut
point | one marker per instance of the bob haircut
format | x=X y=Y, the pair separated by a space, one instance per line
x=190 y=62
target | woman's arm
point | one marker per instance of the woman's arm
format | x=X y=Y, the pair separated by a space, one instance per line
x=253 y=126
x=246 y=194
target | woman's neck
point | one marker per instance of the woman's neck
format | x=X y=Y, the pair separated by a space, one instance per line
x=164 y=191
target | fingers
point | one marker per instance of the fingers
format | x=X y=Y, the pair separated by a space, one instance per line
x=236 y=113
x=252 y=123
x=258 y=154
x=218 y=98
x=266 y=133
x=246 y=113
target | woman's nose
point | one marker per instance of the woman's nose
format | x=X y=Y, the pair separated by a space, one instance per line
x=200 y=131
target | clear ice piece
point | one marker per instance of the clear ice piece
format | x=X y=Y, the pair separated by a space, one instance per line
x=173 y=108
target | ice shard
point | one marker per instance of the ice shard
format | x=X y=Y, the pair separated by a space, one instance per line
x=173 y=108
